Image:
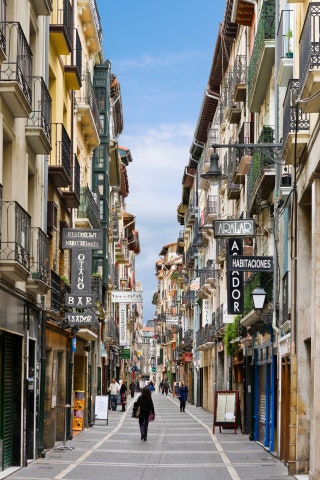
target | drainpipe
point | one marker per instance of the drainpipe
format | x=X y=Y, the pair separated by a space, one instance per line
x=41 y=450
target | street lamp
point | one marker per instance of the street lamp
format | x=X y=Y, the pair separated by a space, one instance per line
x=214 y=173
x=258 y=297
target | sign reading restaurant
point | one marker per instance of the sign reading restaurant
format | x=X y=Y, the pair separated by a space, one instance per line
x=126 y=297
x=75 y=238
x=234 y=228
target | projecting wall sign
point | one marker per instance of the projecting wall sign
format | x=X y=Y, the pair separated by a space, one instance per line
x=243 y=263
x=234 y=228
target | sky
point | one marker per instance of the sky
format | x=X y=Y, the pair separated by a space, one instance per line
x=161 y=53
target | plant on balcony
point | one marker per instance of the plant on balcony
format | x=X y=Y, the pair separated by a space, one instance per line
x=289 y=53
x=232 y=332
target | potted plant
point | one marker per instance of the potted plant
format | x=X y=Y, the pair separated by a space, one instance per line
x=289 y=52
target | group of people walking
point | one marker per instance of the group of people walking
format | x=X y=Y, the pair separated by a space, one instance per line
x=143 y=408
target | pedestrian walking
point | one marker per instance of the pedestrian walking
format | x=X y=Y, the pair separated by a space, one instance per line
x=165 y=386
x=132 y=388
x=151 y=386
x=145 y=404
x=183 y=396
x=114 y=388
x=123 y=395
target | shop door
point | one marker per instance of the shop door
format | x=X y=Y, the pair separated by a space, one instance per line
x=10 y=398
x=285 y=409
x=262 y=404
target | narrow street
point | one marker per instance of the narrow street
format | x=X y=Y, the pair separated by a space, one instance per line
x=180 y=446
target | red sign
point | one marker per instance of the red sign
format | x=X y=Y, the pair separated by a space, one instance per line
x=187 y=357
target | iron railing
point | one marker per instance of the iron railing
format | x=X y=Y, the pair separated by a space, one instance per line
x=88 y=97
x=18 y=65
x=62 y=16
x=293 y=117
x=61 y=152
x=40 y=247
x=16 y=234
x=89 y=207
x=309 y=55
x=41 y=107
x=265 y=32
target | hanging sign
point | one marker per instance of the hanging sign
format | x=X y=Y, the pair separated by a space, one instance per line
x=250 y=264
x=126 y=297
x=122 y=324
x=81 y=238
x=235 y=279
x=234 y=228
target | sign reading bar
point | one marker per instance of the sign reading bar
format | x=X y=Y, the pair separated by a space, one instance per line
x=81 y=318
x=77 y=300
x=126 y=297
x=78 y=238
x=251 y=264
x=234 y=228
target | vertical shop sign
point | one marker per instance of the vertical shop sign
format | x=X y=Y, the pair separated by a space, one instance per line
x=123 y=324
x=205 y=312
x=235 y=279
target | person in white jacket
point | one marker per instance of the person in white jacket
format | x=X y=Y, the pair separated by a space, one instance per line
x=114 y=388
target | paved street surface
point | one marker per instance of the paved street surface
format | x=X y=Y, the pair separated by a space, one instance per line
x=180 y=446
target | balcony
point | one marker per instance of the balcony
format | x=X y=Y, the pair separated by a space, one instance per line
x=90 y=19
x=294 y=142
x=208 y=281
x=71 y=195
x=60 y=157
x=309 y=60
x=55 y=297
x=204 y=337
x=285 y=48
x=190 y=255
x=191 y=214
x=240 y=79
x=262 y=58
x=217 y=321
x=15 y=72
x=111 y=332
x=88 y=214
x=96 y=288
x=39 y=263
x=72 y=72
x=261 y=176
x=15 y=242
x=221 y=250
x=88 y=113
x=42 y=7
x=233 y=189
x=61 y=27
x=3 y=6
x=38 y=128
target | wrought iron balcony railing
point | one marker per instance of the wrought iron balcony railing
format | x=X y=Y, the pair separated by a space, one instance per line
x=17 y=67
x=217 y=319
x=39 y=121
x=60 y=157
x=204 y=335
x=61 y=26
x=71 y=195
x=293 y=118
x=89 y=207
x=15 y=234
x=309 y=58
x=265 y=33
x=39 y=255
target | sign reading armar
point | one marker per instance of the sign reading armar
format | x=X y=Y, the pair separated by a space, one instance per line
x=234 y=228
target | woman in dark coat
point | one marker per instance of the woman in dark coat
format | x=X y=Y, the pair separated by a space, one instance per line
x=123 y=396
x=146 y=407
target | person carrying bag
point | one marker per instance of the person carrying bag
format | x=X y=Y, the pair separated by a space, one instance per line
x=143 y=409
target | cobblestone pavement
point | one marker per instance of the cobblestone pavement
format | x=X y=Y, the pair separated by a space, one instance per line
x=180 y=446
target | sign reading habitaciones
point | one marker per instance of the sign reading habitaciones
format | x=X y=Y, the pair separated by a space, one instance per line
x=81 y=243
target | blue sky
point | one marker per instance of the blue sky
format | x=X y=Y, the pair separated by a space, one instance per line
x=161 y=53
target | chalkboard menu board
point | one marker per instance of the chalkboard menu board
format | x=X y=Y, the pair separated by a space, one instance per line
x=226 y=409
x=101 y=407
